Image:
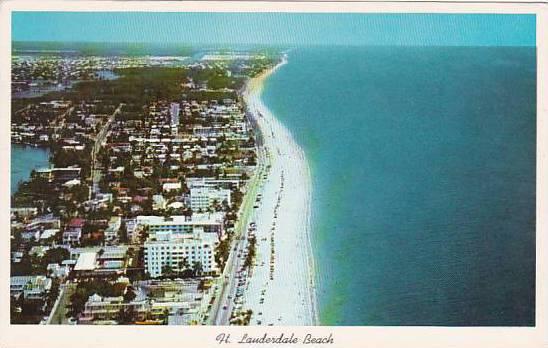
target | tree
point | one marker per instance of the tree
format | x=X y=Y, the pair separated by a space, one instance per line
x=77 y=302
x=52 y=294
x=167 y=270
x=197 y=268
x=79 y=193
x=183 y=265
x=126 y=315
x=123 y=233
x=56 y=255
x=222 y=251
x=129 y=295
x=87 y=288
x=164 y=316
x=23 y=267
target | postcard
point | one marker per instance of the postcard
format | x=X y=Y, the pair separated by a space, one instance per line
x=265 y=174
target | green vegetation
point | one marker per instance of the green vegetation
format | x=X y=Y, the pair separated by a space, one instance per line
x=87 y=288
x=34 y=265
x=26 y=311
x=222 y=251
x=251 y=251
x=123 y=233
x=126 y=315
x=52 y=295
x=242 y=318
x=129 y=295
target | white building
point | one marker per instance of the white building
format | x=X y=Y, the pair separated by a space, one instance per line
x=203 y=198
x=87 y=261
x=111 y=232
x=174 y=113
x=131 y=228
x=31 y=287
x=158 y=202
x=180 y=251
x=108 y=308
x=211 y=223
x=226 y=183
x=171 y=186
x=179 y=239
x=57 y=271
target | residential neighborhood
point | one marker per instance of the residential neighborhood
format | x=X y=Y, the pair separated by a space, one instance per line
x=132 y=221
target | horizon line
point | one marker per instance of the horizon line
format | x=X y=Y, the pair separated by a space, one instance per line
x=190 y=45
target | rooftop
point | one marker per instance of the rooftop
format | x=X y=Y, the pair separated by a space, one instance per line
x=86 y=262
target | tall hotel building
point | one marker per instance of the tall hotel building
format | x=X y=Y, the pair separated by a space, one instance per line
x=179 y=242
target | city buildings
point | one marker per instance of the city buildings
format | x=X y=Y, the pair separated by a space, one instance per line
x=137 y=187
x=30 y=287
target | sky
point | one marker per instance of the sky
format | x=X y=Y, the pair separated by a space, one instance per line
x=277 y=28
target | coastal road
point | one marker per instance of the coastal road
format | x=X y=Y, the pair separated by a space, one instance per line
x=228 y=280
x=99 y=140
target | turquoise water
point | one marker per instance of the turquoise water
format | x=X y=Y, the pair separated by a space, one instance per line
x=24 y=159
x=423 y=165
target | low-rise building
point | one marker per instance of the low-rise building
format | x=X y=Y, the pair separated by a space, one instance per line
x=171 y=186
x=204 y=198
x=73 y=231
x=24 y=212
x=158 y=202
x=205 y=222
x=57 y=271
x=31 y=287
x=87 y=262
x=58 y=175
x=111 y=232
x=108 y=308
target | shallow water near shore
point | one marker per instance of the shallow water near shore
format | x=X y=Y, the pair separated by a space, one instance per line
x=423 y=171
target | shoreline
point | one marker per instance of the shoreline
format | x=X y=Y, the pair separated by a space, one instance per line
x=283 y=223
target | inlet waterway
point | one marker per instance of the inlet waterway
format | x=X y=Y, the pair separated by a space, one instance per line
x=24 y=159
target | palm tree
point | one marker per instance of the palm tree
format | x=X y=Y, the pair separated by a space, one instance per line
x=197 y=268
x=183 y=265
x=167 y=270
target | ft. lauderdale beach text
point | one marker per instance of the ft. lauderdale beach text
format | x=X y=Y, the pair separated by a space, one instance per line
x=280 y=339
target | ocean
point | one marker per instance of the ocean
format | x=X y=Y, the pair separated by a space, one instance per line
x=423 y=167
x=24 y=159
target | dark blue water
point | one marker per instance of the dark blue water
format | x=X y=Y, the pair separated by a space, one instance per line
x=423 y=164
x=24 y=159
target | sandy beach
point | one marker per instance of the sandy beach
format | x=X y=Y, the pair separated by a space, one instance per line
x=280 y=288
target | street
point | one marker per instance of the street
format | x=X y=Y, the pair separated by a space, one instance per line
x=99 y=140
x=228 y=279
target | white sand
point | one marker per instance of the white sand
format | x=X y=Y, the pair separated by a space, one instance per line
x=283 y=271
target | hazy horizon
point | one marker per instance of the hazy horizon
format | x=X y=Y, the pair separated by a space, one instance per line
x=278 y=29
